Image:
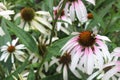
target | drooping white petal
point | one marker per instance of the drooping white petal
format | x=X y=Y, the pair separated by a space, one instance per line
x=12 y=58
x=81 y=11
x=91 y=77
x=90 y=62
x=72 y=12
x=46 y=66
x=44 y=22
x=65 y=73
x=59 y=68
x=65 y=30
x=39 y=27
x=75 y=61
x=76 y=73
x=4 y=54
x=110 y=73
x=20 y=58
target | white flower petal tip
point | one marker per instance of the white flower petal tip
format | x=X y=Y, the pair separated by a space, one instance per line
x=91 y=1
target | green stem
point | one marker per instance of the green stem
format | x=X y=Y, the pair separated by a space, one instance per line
x=55 y=21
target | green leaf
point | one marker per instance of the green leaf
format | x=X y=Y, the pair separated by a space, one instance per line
x=31 y=75
x=5 y=28
x=25 y=37
x=53 y=77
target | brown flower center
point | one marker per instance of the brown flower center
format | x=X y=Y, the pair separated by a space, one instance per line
x=90 y=16
x=86 y=38
x=65 y=59
x=62 y=13
x=27 y=14
x=11 y=49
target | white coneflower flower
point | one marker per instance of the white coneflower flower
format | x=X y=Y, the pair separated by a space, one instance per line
x=5 y=12
x=63 y=63
x=110 y=71
x=87 y=50
x=12 y=49
x=34 y=20
x=63 y=17
x=76 y=8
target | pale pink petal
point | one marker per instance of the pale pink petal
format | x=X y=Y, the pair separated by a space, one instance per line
x=75 y=60
x=72 y=12
x=81 y=11
x=90 y=62
x=103 y=38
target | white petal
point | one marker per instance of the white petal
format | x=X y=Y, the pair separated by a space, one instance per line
x=53 y=62
x=65 y=30
x=59 y=68
x=75 y=61
x=90 y=62
x=91 y=1
x=81 y=11
x=65 y=73
x=76 y=73
x=91 y=77
x=18 y=52
x=58 y=26
x=6 y=57
x=12 y=58
x=4 y=54
x=20 y=58
x=110 y=73
x=46 y=66
x=39 y=27
x=14 y=42
x=7 y=12
x=44 y=22
x=103 y=38
x=72 y=12
x=20 y=46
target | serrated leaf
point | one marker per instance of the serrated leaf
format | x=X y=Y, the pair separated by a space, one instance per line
x=25 y=37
